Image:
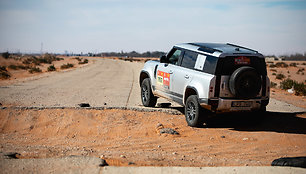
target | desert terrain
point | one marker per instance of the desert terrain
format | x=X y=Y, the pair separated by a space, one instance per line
x=40 y=118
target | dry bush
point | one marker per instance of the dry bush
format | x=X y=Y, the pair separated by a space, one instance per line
x=51 y=68
x=78 y=59
x=273 y=84
x=66 y=66
x=281 y=65
x=280 y=76
x=16 y=67
x=45 y=59
x=300 y=71
x=3 y=73
x=84 y=62
x=299 y=88
x=34 y=70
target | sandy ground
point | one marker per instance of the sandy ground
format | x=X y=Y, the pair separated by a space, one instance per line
x=289 y=72
x=125 y=137
x=131 y=138
x=19 y=76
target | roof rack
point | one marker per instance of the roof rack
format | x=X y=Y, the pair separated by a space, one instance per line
x=205 y=48
x=241 y=47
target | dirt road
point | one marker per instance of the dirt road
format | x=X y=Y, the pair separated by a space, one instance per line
x=106 y=82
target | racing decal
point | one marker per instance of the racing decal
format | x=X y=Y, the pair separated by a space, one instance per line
x=200 y=62
x=242 y=60
x=163 y=78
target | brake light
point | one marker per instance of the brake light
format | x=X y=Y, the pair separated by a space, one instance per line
x=211 y=89
x=217 y=86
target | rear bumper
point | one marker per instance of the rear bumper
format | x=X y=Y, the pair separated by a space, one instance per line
x=226 y=105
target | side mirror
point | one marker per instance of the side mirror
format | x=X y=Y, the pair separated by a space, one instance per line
x=163 y=59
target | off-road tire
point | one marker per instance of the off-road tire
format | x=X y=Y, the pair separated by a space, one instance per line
x=245 y=82
x=194 y=112
x=290 y=161
x=147 y=97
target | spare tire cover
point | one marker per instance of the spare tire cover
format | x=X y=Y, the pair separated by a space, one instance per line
x=245 y=82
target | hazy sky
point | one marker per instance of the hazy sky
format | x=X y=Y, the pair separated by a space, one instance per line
x=269 y=26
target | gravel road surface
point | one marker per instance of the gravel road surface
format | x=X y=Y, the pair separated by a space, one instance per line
x=106 y=82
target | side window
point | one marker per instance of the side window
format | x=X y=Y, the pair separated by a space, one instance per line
x=210 y=64
x=173 y=59
x=189 y=59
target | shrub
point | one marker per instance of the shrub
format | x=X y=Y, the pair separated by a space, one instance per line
x=272 y=66
x=46 y=58
x=22 y=67
x=3 y=68
x=299 y=88
x=304 y=63
x=286 y=84
x=280 y=76
x=273 y=70
x=4 y=75
x=51 y=68
x=274 y=74
x=293 y=64
x=66 y=66
x=273 y=84
x=281 y=64
x=79 y=59
x=6 y=55
x=84 y=62
x=49 y=58
x=34 y=70
x=300 y=71
x=32 y=60
x=14 y=67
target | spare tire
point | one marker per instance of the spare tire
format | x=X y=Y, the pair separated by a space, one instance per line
x=245 y=82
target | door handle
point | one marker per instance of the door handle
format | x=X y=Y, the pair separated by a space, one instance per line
x=170 y=72
x=186 y=76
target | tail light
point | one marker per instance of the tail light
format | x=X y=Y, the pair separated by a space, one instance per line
x=217 y=87
x=211 y=89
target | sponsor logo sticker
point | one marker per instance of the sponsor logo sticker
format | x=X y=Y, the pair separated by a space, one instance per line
x=242 y=60
x=163 y=78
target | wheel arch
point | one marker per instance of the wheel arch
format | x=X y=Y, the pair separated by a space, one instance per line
x=143 y=75
x=190 y=91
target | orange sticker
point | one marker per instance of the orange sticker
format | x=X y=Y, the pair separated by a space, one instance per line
x=163 y=78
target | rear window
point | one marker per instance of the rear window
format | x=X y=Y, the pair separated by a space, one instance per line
x=227 y=65
x=210 y=64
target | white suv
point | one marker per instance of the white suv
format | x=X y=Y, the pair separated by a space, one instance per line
x=207 y=76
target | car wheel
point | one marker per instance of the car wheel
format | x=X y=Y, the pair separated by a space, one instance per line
x=245 y=82
x=193 y=112
x=147 y=97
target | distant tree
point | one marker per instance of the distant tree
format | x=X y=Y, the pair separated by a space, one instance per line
x=6 y=55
